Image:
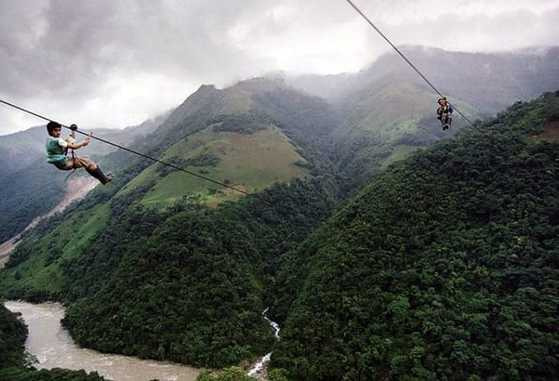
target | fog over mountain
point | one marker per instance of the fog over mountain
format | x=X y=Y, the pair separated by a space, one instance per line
x=299 y=170
x=75 y=61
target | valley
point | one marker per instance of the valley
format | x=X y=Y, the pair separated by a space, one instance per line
x=361 y=207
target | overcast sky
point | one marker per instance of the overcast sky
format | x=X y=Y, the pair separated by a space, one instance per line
x=115 y=63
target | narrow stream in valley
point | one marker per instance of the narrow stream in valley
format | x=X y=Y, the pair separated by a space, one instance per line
x=259 y=370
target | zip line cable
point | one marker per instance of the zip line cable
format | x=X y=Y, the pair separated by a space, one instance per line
x=209 y=179
x=404 y=57
x=171 y=165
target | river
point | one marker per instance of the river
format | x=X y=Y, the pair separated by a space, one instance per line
x=53 y=347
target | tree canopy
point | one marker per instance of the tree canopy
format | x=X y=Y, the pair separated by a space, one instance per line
x=443 y=267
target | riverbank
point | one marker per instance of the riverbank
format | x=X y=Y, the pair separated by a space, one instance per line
x=53 y=347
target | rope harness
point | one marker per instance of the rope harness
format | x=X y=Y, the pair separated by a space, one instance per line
x=72 y=152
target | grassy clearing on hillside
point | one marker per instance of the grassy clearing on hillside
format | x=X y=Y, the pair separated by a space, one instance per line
x=249 y=162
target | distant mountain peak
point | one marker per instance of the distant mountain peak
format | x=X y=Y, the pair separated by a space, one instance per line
x=205 y=87
x=260 y=83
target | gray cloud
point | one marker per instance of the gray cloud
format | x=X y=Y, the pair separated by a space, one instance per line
x=114 y=63
x=81 y=43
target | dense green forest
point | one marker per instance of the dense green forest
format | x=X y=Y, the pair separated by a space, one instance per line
x=191 y=276
x=443 y=267
x=192 y=281
x=423 y=271
x=12 y=338
x=13 y=363
x=235 y=373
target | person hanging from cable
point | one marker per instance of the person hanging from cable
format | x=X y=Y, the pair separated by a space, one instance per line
x=444 y=113
x=57 y=153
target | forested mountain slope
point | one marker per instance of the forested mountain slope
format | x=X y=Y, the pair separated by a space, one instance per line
x=26 y=194
x=388 y=109
x=386 y=123
x=443 y=267
x=184 y=278
x=251 y=135
x=160 y=265
x=375 y=117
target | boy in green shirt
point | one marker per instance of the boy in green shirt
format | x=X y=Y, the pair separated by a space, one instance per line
x=57 y=147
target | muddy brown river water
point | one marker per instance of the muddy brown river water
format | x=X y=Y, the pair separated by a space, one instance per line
x=53 y=347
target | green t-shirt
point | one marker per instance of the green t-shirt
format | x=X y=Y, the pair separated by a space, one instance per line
x=56 y=150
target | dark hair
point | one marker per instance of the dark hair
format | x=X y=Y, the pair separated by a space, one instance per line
x=51 y=126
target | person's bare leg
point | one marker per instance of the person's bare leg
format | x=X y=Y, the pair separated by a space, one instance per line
x=92 y=168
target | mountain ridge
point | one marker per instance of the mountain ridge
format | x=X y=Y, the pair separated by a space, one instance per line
x=443 y=267
x=112 y=255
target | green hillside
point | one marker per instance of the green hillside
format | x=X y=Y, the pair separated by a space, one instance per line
x=386 y=122
x=34 y=270
x=162 y=265
x=181 y=266
x=248 y=161
x=28 y=193
x=443 y=267
x=388 y=111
